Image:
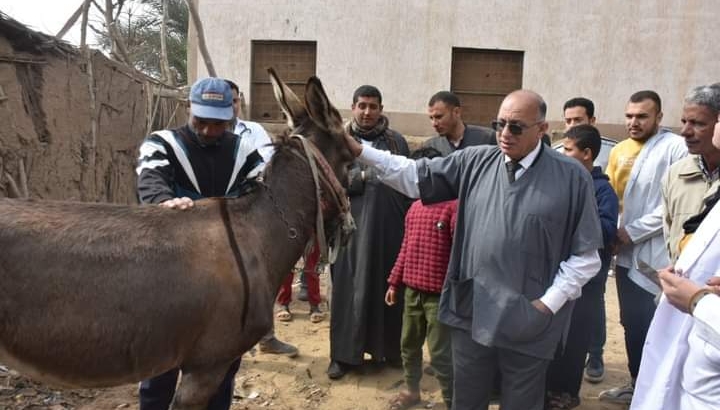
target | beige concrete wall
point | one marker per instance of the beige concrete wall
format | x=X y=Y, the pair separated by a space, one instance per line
x=603 y=50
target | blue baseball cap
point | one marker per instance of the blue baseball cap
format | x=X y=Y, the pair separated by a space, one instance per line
x=211 y=98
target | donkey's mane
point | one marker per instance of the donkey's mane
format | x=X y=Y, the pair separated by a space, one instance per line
x=285 y=142
x=286 y=147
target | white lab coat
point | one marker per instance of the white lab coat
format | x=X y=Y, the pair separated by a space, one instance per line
x=680 y=366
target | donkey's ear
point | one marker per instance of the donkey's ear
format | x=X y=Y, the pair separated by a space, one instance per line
x=289 y=102
x=318 y=105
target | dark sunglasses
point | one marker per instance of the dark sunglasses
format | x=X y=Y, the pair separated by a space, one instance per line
x=515 y=128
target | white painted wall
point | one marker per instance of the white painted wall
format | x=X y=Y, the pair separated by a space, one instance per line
x=603 y=50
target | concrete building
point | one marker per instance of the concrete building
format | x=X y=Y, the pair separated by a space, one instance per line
x=481 y=49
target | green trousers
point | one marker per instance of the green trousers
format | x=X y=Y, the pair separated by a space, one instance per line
x=420 y=324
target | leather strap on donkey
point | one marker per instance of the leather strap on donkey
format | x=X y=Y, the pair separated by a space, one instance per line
x=338 y=197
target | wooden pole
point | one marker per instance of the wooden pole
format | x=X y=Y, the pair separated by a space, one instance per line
x=84 y=24
x=201 y=38
x=91 y=145
x=12 y=188
x=71 y=21
x=168 y=77
x=24 y=191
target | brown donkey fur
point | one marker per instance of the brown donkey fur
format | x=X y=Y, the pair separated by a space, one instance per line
x=101 y=294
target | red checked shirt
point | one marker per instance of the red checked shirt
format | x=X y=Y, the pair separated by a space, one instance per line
x=423 y=259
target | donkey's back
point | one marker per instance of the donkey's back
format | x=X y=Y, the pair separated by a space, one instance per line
x=100 y=294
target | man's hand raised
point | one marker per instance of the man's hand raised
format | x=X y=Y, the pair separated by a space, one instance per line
x=355 y=147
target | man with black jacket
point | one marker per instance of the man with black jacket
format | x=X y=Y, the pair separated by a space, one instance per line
x=453 y=134
x=198 y=160
x=360 y=322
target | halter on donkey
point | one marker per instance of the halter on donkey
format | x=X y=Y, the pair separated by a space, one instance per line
x=101 y=294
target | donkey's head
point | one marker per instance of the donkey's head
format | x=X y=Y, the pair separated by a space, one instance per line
x=317 y=120
x=320 y=123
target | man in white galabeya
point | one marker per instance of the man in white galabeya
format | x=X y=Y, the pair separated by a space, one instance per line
x=636 y=168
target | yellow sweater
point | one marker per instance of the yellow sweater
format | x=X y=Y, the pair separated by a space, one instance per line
x=620 y=164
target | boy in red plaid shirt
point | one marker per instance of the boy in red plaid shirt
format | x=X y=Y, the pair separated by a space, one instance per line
x=421 y=266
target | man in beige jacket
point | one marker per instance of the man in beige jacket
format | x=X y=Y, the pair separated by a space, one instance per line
x=696 y=176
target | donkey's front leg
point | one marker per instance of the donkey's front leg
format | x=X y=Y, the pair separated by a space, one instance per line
x=199 y=386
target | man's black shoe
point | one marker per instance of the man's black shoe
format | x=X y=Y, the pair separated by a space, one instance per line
x=336 y=370
x=595 y=369
x=276 y=346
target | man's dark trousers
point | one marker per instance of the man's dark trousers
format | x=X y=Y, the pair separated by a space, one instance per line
x=157 y=393
x=566 y=371
x=598 y=320
x=637 y=308
x=475 y=365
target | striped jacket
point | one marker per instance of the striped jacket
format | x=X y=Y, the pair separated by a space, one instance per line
x=174 y=163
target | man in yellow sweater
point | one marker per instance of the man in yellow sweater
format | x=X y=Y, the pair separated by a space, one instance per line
x=636 y=167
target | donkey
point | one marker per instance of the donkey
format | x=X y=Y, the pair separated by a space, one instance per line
x=98 y=295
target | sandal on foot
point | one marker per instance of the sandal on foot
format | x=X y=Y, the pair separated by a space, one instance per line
x=283 y=314
x=316 y=315
x=404 y=400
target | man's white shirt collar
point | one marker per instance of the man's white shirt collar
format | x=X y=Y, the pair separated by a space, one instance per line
x=527 y=161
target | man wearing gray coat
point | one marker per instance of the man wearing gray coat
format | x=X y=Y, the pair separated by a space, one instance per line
x=453 y=134
x=526 y=242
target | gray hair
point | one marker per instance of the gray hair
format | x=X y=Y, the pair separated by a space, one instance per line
x=705 y=95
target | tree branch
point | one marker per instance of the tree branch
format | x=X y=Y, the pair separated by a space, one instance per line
x=118 y=9
x=118 y=45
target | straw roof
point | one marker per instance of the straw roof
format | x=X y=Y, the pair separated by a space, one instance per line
x=26 y=40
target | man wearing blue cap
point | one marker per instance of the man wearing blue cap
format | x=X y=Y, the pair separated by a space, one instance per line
x=198 y=160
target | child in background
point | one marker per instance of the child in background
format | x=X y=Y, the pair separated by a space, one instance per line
x=421 y=267
x=565 y=372
x=313 y=283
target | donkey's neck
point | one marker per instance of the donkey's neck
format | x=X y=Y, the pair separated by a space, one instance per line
x=284 y=215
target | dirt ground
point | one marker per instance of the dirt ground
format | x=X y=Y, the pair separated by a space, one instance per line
x=280 y=383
